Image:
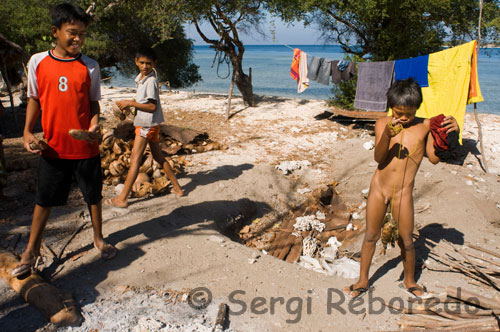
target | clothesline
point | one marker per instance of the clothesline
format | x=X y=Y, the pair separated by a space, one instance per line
x=448 y=79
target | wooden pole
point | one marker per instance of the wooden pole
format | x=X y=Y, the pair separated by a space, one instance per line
x=228 y=108
x=476 y=116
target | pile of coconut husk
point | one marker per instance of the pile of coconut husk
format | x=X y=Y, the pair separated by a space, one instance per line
x=459 y=309
x=285 y=239
x=176 y=143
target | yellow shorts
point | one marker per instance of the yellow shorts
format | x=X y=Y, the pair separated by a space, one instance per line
x=152 y=134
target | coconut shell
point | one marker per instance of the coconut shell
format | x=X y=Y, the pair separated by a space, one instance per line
x=160 y=183
x=81 y=135
x=40 y=145
x=147 y=165
x=116 y=168
x=117 y=148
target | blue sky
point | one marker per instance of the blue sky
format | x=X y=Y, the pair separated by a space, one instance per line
x=285 y=34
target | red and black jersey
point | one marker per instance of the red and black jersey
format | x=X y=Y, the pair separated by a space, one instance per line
x=65 y=88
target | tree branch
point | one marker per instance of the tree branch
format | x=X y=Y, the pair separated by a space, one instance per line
x=202 y=35
x=341 y=20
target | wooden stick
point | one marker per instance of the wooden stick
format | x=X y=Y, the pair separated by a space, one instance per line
x=69 y=240
x=468 y=296
x=485 y=259
x=228 y=108
x=221 y=316
x=492 y=253
x=484 y=275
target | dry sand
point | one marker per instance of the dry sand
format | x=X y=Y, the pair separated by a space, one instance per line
x=169 y=244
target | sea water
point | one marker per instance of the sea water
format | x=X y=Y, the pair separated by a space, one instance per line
x=271 y=73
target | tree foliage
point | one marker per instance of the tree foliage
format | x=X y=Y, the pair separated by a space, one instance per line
x=119 y=28
x=392 y=29
x=228 y=19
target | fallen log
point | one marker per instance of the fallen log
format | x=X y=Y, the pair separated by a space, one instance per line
x=56 y=305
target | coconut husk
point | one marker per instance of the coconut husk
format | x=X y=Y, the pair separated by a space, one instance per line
x=182 y=135
x=79 y=134
x=124 y=130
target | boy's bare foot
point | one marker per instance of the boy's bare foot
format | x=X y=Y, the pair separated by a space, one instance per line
x=357 y=290
x=115 y=202
x=178 y=191
x=107 y=250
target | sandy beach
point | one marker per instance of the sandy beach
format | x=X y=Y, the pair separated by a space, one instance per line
x=170 y=245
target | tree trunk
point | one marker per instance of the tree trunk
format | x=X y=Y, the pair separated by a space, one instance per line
x=243 y=82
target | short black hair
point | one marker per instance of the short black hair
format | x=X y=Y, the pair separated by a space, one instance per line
x=68 y=13
x=146 y=52
x=404 y=93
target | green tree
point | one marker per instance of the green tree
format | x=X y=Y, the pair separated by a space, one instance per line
x=119 y=28
x=391 y=29
x=228 y=19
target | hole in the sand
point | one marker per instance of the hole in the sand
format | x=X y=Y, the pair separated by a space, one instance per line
x=311 y=232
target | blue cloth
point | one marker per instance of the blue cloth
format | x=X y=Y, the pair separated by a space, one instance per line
x=413 y=67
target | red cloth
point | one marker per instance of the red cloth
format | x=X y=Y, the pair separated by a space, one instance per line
x=294 y=68
x=439 y=133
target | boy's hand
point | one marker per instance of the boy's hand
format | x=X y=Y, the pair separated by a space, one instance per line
x=124 y=103
x=393 y=127
x=33 y=144
x=94 y=134
x=450 y=124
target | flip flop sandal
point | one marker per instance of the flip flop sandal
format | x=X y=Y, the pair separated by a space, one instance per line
x=30 y=267
x=109 y=202
x=411 y=291
x=361 y=291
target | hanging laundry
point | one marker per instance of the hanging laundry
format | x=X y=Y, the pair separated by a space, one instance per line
x=325 y=72
x=475 y=95
x=303 y=81
x=413 y=67
x=294 y=68
x=452 y=83
x=343 y=70
x=313 y=68
x=342 y=64
x=374 y=79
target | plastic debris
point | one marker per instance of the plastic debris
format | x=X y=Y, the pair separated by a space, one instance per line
x=304 y=190
x=289 y=166
x=369 y=145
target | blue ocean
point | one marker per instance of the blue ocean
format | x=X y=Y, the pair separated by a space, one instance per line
x=271 y=73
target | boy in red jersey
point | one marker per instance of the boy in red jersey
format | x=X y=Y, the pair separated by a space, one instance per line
x=64 y=86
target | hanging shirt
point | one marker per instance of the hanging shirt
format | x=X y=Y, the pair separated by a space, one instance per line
x=324 y=72
x=374 y=79
x=313 y=68
x=294 y=68
x=343 y=71
x=413 y=67
x=303 y=81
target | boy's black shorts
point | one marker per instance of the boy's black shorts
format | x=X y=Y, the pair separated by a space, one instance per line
x=55 y=177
